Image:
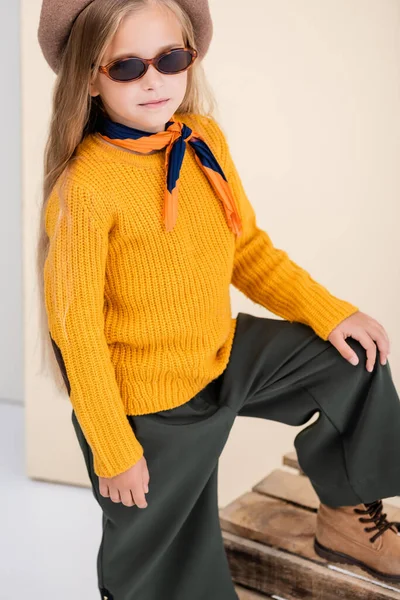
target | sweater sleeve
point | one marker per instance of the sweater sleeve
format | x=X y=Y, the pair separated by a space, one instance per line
x=269 y=277
x=74 y=277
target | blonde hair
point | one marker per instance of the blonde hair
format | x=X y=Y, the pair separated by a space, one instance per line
x=75 y=113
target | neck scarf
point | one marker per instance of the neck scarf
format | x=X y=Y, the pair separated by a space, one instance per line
x=174 y=138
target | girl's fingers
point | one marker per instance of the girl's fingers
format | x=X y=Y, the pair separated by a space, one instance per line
x=382 y=341
x=368 y=343
x=138 y=495
x=344 y=349
x=146 y=479
x=103 y=488
x=348 y=353
x=115 y=495
x=127 y=498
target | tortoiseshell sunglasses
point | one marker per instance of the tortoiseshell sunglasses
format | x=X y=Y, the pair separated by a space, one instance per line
x=133 y=68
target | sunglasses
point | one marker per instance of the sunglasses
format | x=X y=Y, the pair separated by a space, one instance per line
x=133 y=68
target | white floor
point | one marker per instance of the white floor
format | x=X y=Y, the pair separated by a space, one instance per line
x=49 y=534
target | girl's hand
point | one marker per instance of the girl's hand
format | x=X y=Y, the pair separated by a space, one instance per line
x=128 y=487
x=366 y=330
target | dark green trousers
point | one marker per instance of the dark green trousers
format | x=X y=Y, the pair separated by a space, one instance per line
x=173 y=549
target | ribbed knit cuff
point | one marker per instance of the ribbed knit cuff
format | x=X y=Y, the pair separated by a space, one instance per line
x=325 y=317
x=117 y=458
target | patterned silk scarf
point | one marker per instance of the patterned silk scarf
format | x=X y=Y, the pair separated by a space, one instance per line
x=174 y=139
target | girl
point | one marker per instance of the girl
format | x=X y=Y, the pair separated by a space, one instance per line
x=145 y=226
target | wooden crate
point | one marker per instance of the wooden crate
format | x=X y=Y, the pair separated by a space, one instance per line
x=245 y=594
x=269 y=533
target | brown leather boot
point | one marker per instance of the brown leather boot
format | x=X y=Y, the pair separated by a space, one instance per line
x=343 y=536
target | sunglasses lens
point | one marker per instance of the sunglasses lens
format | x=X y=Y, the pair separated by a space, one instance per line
x=175 y=61
x=126 y=70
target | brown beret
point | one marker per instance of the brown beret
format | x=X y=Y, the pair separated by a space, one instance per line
x=58 y=16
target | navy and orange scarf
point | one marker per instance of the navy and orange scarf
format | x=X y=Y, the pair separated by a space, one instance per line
x=174 y=139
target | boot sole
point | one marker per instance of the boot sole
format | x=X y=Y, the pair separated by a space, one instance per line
x=334 y=556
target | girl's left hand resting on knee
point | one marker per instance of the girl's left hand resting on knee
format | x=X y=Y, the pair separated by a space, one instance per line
x=367 y=331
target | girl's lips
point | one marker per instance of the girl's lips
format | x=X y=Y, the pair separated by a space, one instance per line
x=155 y=104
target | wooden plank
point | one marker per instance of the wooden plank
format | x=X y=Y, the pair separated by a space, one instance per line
x=245 y=594
x=267 y=569
x=290 y=487
x=281 y=525
x=271 y=521
x=298 y=490
x=290 y=460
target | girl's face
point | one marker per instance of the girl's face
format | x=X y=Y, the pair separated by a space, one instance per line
x=144 y=35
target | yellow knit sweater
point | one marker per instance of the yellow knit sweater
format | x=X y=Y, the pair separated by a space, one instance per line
x=149 y=320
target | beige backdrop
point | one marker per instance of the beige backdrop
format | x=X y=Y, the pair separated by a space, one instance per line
x=309 y=98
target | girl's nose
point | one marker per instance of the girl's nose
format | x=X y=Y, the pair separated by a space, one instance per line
x=152 y=75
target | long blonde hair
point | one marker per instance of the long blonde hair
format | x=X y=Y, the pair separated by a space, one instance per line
x=75 y=113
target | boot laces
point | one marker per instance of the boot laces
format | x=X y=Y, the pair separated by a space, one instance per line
x=374 y=509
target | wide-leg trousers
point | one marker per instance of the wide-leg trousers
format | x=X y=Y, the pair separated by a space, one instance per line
x=173 y=549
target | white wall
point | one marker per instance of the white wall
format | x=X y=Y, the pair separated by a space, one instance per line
x=313 y=88
x=11 y=341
